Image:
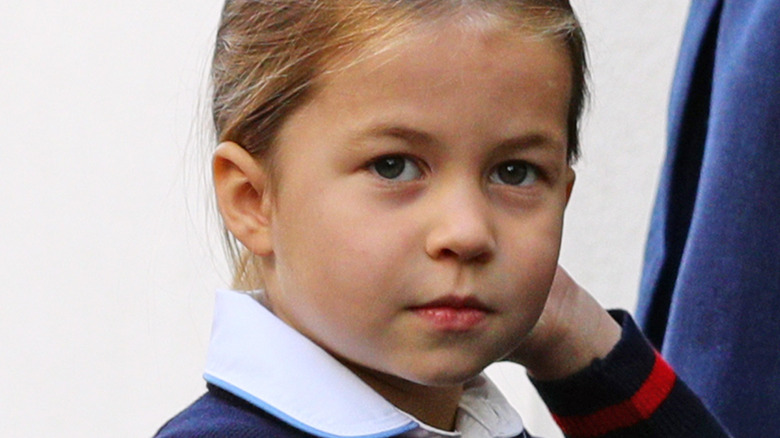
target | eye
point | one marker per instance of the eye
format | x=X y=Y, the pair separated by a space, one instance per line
x=395 y=168
x=514 y=173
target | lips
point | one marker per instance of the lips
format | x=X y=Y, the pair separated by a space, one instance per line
x=456 y=314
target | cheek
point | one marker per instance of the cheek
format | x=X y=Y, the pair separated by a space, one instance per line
x=531 y=257
x=328 y=242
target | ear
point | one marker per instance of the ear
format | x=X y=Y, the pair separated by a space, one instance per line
x=242 y=187
x=571 y=176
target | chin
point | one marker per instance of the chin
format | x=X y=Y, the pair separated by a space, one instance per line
x=435 y=371
x=445 y=376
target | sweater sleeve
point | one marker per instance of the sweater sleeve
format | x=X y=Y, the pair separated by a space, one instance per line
x=631 y=393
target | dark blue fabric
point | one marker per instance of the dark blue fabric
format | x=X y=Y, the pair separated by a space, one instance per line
x=710 y=292
x=220 y=414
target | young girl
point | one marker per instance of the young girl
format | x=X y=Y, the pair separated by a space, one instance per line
x=396 y=173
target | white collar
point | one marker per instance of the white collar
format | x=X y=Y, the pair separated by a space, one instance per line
x=262 y=360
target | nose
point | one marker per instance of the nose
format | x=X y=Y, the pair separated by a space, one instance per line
x=461 y=227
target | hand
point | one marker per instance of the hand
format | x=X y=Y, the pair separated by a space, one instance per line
x=572 y=331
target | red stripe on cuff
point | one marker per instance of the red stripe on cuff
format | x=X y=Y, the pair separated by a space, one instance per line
x=639 y=407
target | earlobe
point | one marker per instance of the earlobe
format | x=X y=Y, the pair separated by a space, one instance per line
x=242 y=188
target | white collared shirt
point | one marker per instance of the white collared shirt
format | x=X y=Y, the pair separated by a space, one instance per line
x=259 y=358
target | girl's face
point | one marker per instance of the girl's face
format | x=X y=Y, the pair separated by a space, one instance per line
x=417 y=219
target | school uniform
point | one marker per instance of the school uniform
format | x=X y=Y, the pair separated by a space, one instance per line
x=267 y=380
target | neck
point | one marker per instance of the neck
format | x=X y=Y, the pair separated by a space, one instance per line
x=435 y=406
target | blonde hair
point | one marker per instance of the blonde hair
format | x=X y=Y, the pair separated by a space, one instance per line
x=269 y=53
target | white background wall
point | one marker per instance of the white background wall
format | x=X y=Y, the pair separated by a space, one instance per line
x=108 y=259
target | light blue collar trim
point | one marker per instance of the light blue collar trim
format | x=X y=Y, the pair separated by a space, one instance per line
x=294 y=421
x=262 y=360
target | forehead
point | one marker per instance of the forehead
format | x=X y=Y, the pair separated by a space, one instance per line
x=438 y=70
x=460 y=35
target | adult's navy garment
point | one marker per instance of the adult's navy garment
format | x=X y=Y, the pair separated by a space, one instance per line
x=710 y=293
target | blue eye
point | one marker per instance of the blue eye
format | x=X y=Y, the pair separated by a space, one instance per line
x=395 y=168
x=514 y=173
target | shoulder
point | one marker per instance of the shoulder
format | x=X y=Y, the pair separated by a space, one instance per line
x=219 y=414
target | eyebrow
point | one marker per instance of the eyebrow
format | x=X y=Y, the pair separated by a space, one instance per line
x=531 y=140
x=410 y=135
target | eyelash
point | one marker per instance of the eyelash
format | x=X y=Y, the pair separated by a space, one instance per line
x=392 y=160
x=399 y=164
x=530 y=171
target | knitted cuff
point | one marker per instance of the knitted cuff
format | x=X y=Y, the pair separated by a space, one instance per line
x=632 y=392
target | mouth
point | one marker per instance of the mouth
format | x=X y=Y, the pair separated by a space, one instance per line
x=453 y=313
